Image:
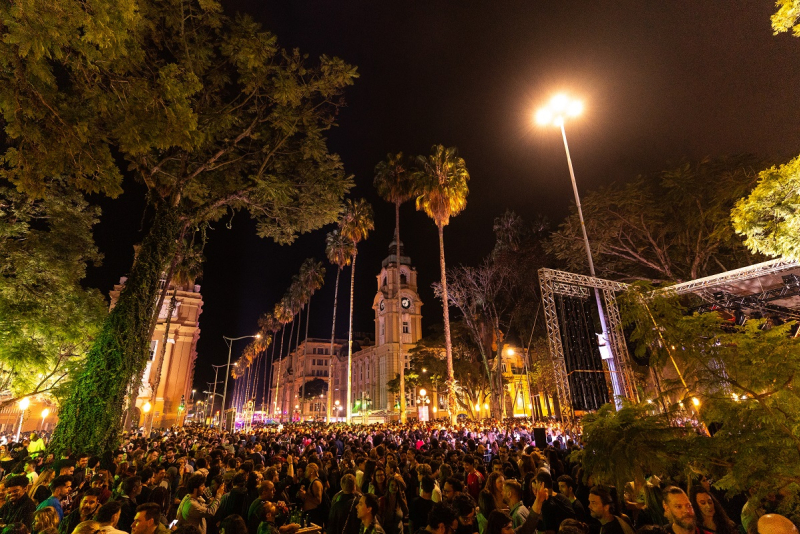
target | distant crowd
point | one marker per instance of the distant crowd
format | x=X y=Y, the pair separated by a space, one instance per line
x=419 y=478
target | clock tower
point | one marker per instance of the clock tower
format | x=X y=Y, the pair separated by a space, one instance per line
x=394 y=338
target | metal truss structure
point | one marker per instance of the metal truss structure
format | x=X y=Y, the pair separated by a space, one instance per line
x=577 y=285
x=708 y=288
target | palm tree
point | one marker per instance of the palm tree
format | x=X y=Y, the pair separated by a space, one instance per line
x=441 y=182
x=268 y=323
x=394 y=184
x=312 y=276
x=284 y=316
x=339 y=251
x=355 y=225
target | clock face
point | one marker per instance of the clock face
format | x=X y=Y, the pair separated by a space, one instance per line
x=405 y=302
x=382 y=305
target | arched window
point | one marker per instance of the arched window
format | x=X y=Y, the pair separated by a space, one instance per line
x=403 y=279
x=384 y=279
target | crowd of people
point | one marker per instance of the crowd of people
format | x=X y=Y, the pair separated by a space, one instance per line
x=418 y=478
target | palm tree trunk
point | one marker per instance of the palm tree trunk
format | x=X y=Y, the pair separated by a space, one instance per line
x=268 y=369
x=333 y=338
x=278 y=378
x=305 y=362
x=400 y=357
x=447 y=343
x=288 y=353
x=350 y=342
x=294 y=359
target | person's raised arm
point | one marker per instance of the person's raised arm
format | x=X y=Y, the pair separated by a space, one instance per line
x=535 y=512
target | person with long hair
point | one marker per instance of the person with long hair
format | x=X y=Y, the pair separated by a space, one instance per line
x=494 y=485
x=378 y=486
x=499 y=523
x=40 y=490
x=43 y=519
x=711 y=517
x=393 y=506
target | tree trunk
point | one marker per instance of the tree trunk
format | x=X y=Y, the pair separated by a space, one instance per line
x=333 y=339
x=451 y=407
x=350 y=342
x=91 y=419
x=268 y=387
x=278 y=378
x=288 y=353
x=305 y=351
x=403 y=416
x=294 y=360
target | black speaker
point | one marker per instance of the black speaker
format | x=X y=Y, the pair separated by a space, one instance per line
x=540 y=438
x=230 y=419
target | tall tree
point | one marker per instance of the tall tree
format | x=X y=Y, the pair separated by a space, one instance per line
x=768 y=217
x=339 y=250
x=283 y=314
x=440 y=181
x=394 y=184
x=47 y=319
x=207 y=111
x=312 y=276
x=355 y=225
x=671 y=226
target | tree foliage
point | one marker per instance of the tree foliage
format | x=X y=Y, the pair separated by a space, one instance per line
x=769 y=217
x=672 y=226
x=47 y=319
x=209 y=112
x=745 y=380
x=785 y=18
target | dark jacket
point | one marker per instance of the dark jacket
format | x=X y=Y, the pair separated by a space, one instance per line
x=343 y=518
x=20 y=511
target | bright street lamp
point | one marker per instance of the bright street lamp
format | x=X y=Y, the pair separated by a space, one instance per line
x=559 y=108
x=45 y=413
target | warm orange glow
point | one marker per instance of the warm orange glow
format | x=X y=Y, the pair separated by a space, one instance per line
x=558 y=109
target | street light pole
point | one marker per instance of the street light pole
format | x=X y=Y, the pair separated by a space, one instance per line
x=560 y=107
x=229 y=341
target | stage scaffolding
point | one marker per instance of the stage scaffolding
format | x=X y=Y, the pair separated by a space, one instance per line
x=555 y=283
x=730 y=290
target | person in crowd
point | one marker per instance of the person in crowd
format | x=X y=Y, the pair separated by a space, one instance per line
x=556 y=508
x=421 y=506
x=108 y=516
x=601 y=508
x=512 y=496
x=775 y=524
x=464 y=506
x=84 y=512
x=40 y=490
x=30 y=469
x=192 y=510
x=711 y=517
x=379 y=485
x=235 y=501
x=311 y=496
x=60 y=487
x=573 y=526
x=394 y=508
x=566 y=487
x=442 y=519
x=452 y=489
x=147 y=520
x=19 y=507
x=367 y=512
x=679 y=512
x=474 y=479
x=43 y=519
x=494 y=485
x=87 y=527
x=486 y=505
x=129 y=491
x=233 y=524
x=257 y=511
x=499 y=523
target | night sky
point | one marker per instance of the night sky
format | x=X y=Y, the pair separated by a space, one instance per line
x=660 y=81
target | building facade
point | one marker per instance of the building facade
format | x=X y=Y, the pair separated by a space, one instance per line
x=170 y=368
